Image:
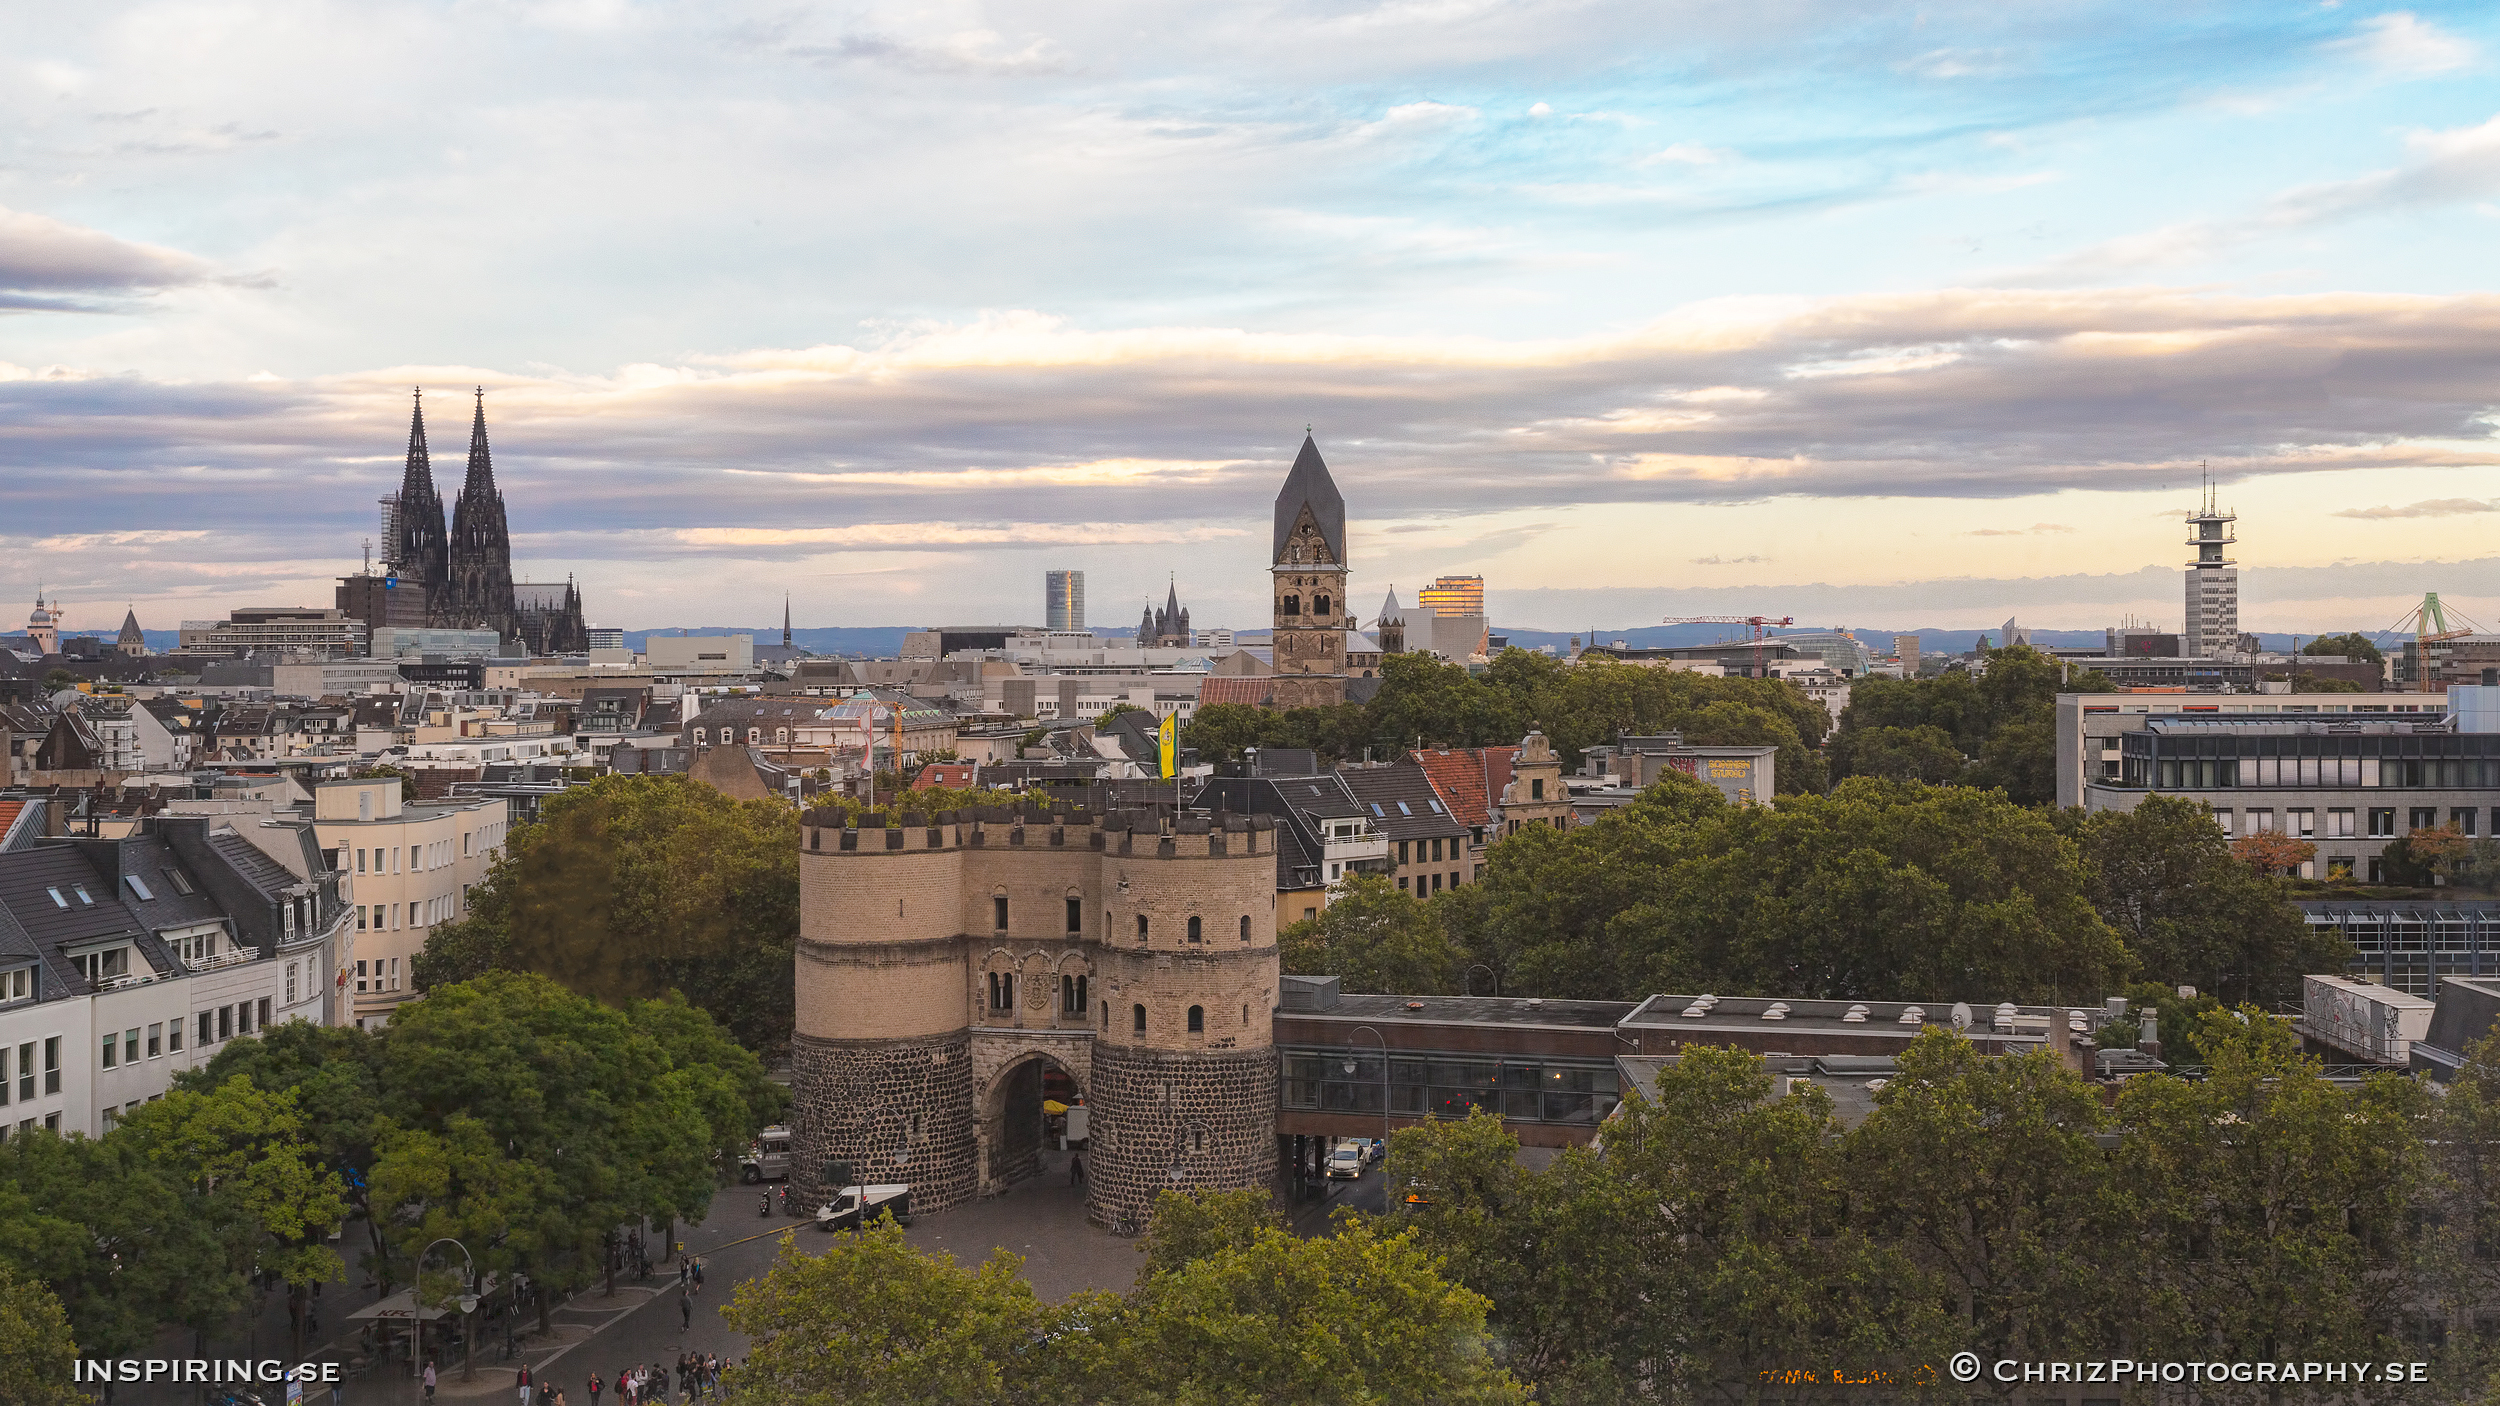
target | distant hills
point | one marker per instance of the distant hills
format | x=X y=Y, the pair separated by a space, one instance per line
x=884 y=641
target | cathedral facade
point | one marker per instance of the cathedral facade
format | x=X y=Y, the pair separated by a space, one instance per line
x=462 y=574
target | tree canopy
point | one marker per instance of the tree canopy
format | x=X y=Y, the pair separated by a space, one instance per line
x=1377 y=938
x=630 y=887
x=1882 y=890
x=1995 y=727
x=2351 y=645
x=1424 y=702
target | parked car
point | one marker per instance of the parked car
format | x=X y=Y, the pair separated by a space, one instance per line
x=876 y=1200
x=1350 y=1158
x=767 y=1159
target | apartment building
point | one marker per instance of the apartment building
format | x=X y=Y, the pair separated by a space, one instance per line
x=126 y=961
x=2089 y=725
x=407 y=866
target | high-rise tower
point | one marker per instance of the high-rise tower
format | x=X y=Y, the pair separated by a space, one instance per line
x=2213 y=582
x=415 y=549
x=481 y=544
x=1307 y=580
x=1063 y=600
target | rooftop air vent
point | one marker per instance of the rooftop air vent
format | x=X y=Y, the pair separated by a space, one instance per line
x=1856 y=1015
x=1778 y=1011
x=1912 y=1015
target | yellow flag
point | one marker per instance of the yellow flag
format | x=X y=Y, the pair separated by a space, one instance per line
x=1164 y=734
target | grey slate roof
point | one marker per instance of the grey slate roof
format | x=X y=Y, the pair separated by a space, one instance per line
x=1310 y=484
x=1401 y=800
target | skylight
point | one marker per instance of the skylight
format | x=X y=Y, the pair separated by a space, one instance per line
x=139 y=887
x=1402 y=810
x=57 y=900
x=81 y=891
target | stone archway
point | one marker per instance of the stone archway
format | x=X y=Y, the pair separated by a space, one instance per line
x=1013 y=1076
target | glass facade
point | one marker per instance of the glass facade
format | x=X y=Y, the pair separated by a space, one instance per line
x=2310 y=761
x=1522 y=1089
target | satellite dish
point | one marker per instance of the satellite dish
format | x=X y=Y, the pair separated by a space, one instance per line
x=1961 y=1015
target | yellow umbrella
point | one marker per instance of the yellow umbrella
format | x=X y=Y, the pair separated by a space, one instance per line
x=1052 y=1105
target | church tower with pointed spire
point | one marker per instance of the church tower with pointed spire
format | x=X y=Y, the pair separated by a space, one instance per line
x=481 y=544
x=1307 y=580
x=132 y=642
x=1392 y=624
x=416 y=551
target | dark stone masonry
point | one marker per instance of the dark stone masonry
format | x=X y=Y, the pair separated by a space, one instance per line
x=872 y=1101
x=1209 y=1116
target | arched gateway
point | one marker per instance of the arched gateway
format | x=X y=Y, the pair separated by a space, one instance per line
x=958 y=972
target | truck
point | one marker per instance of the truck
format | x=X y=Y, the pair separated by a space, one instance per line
x=768 y=1157
x=877 y=1200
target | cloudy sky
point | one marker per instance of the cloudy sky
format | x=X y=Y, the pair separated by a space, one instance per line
x=1883 y=316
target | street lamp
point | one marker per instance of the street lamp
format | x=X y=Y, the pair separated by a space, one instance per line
x=465 y=1301
x=1384 y=1078
x=1470 y=977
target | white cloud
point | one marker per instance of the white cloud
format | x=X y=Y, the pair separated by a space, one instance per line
x=2429 y=507
x=46 y=259
x=2402 y=42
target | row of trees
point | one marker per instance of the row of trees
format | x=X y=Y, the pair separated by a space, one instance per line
x=520 y=1118
x=1730 y=1230
x=1879 y=890
x=1730 y=1238
x=1231 y=1308
x=1423 y=702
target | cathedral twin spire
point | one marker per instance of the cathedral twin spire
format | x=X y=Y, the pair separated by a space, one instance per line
x=465 y=574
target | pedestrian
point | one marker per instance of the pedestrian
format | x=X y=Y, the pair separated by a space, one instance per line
x=685 y=1310
x=1076 y=1169
x=338 y=1391
x=525 y=1384
x=698 y=1274
x=594 y=1389
x=429 y=1379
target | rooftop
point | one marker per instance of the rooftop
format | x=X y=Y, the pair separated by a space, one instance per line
x=1472 y=1010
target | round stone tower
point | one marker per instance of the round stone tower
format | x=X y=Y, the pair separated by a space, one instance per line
x=1184 y=1068
x=880 y=1062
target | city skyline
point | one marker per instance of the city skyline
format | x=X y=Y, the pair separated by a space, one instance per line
x=1926 y=317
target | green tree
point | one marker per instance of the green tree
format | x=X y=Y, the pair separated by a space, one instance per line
x=2005 y=717
x=407 y=779
x=1742 y=1187
x=2192 y=912
x=2351 y=645
x=2016 y=1230
x=1191 y=1225
x=1921 y=753
x=633 y=886
x=122 y=1263
x=2272 y=1204
x=583 y=1089
x=37 y=1349
x=333 y=1072
x=2315 y=683
x=253 y=1177
x=871 y=1319
x=1377 y=938
x=461 y=1184
x=1351 y=1318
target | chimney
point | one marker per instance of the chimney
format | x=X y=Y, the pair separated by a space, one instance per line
x=2148 y=1035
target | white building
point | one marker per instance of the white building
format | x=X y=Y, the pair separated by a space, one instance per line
x=405 y=867
x=125 y=961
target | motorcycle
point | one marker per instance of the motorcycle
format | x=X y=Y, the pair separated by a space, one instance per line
x=764 y=1204
x=785 y=1198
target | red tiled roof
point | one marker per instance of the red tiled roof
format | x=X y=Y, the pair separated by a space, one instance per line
x=1254 y=691
x=1469 y=780
x=8 y=814
x=946 y=774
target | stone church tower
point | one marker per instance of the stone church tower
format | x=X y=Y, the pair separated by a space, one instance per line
x=1308 y=581
x=415 y=548
x=948 y=964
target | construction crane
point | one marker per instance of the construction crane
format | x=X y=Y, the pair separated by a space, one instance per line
x=1754 y=624
x=2430 y=625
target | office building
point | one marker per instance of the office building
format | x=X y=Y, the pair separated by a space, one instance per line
x=1063 y=600
x=1905 y=649
x=1453 y=595
x=252 y=630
